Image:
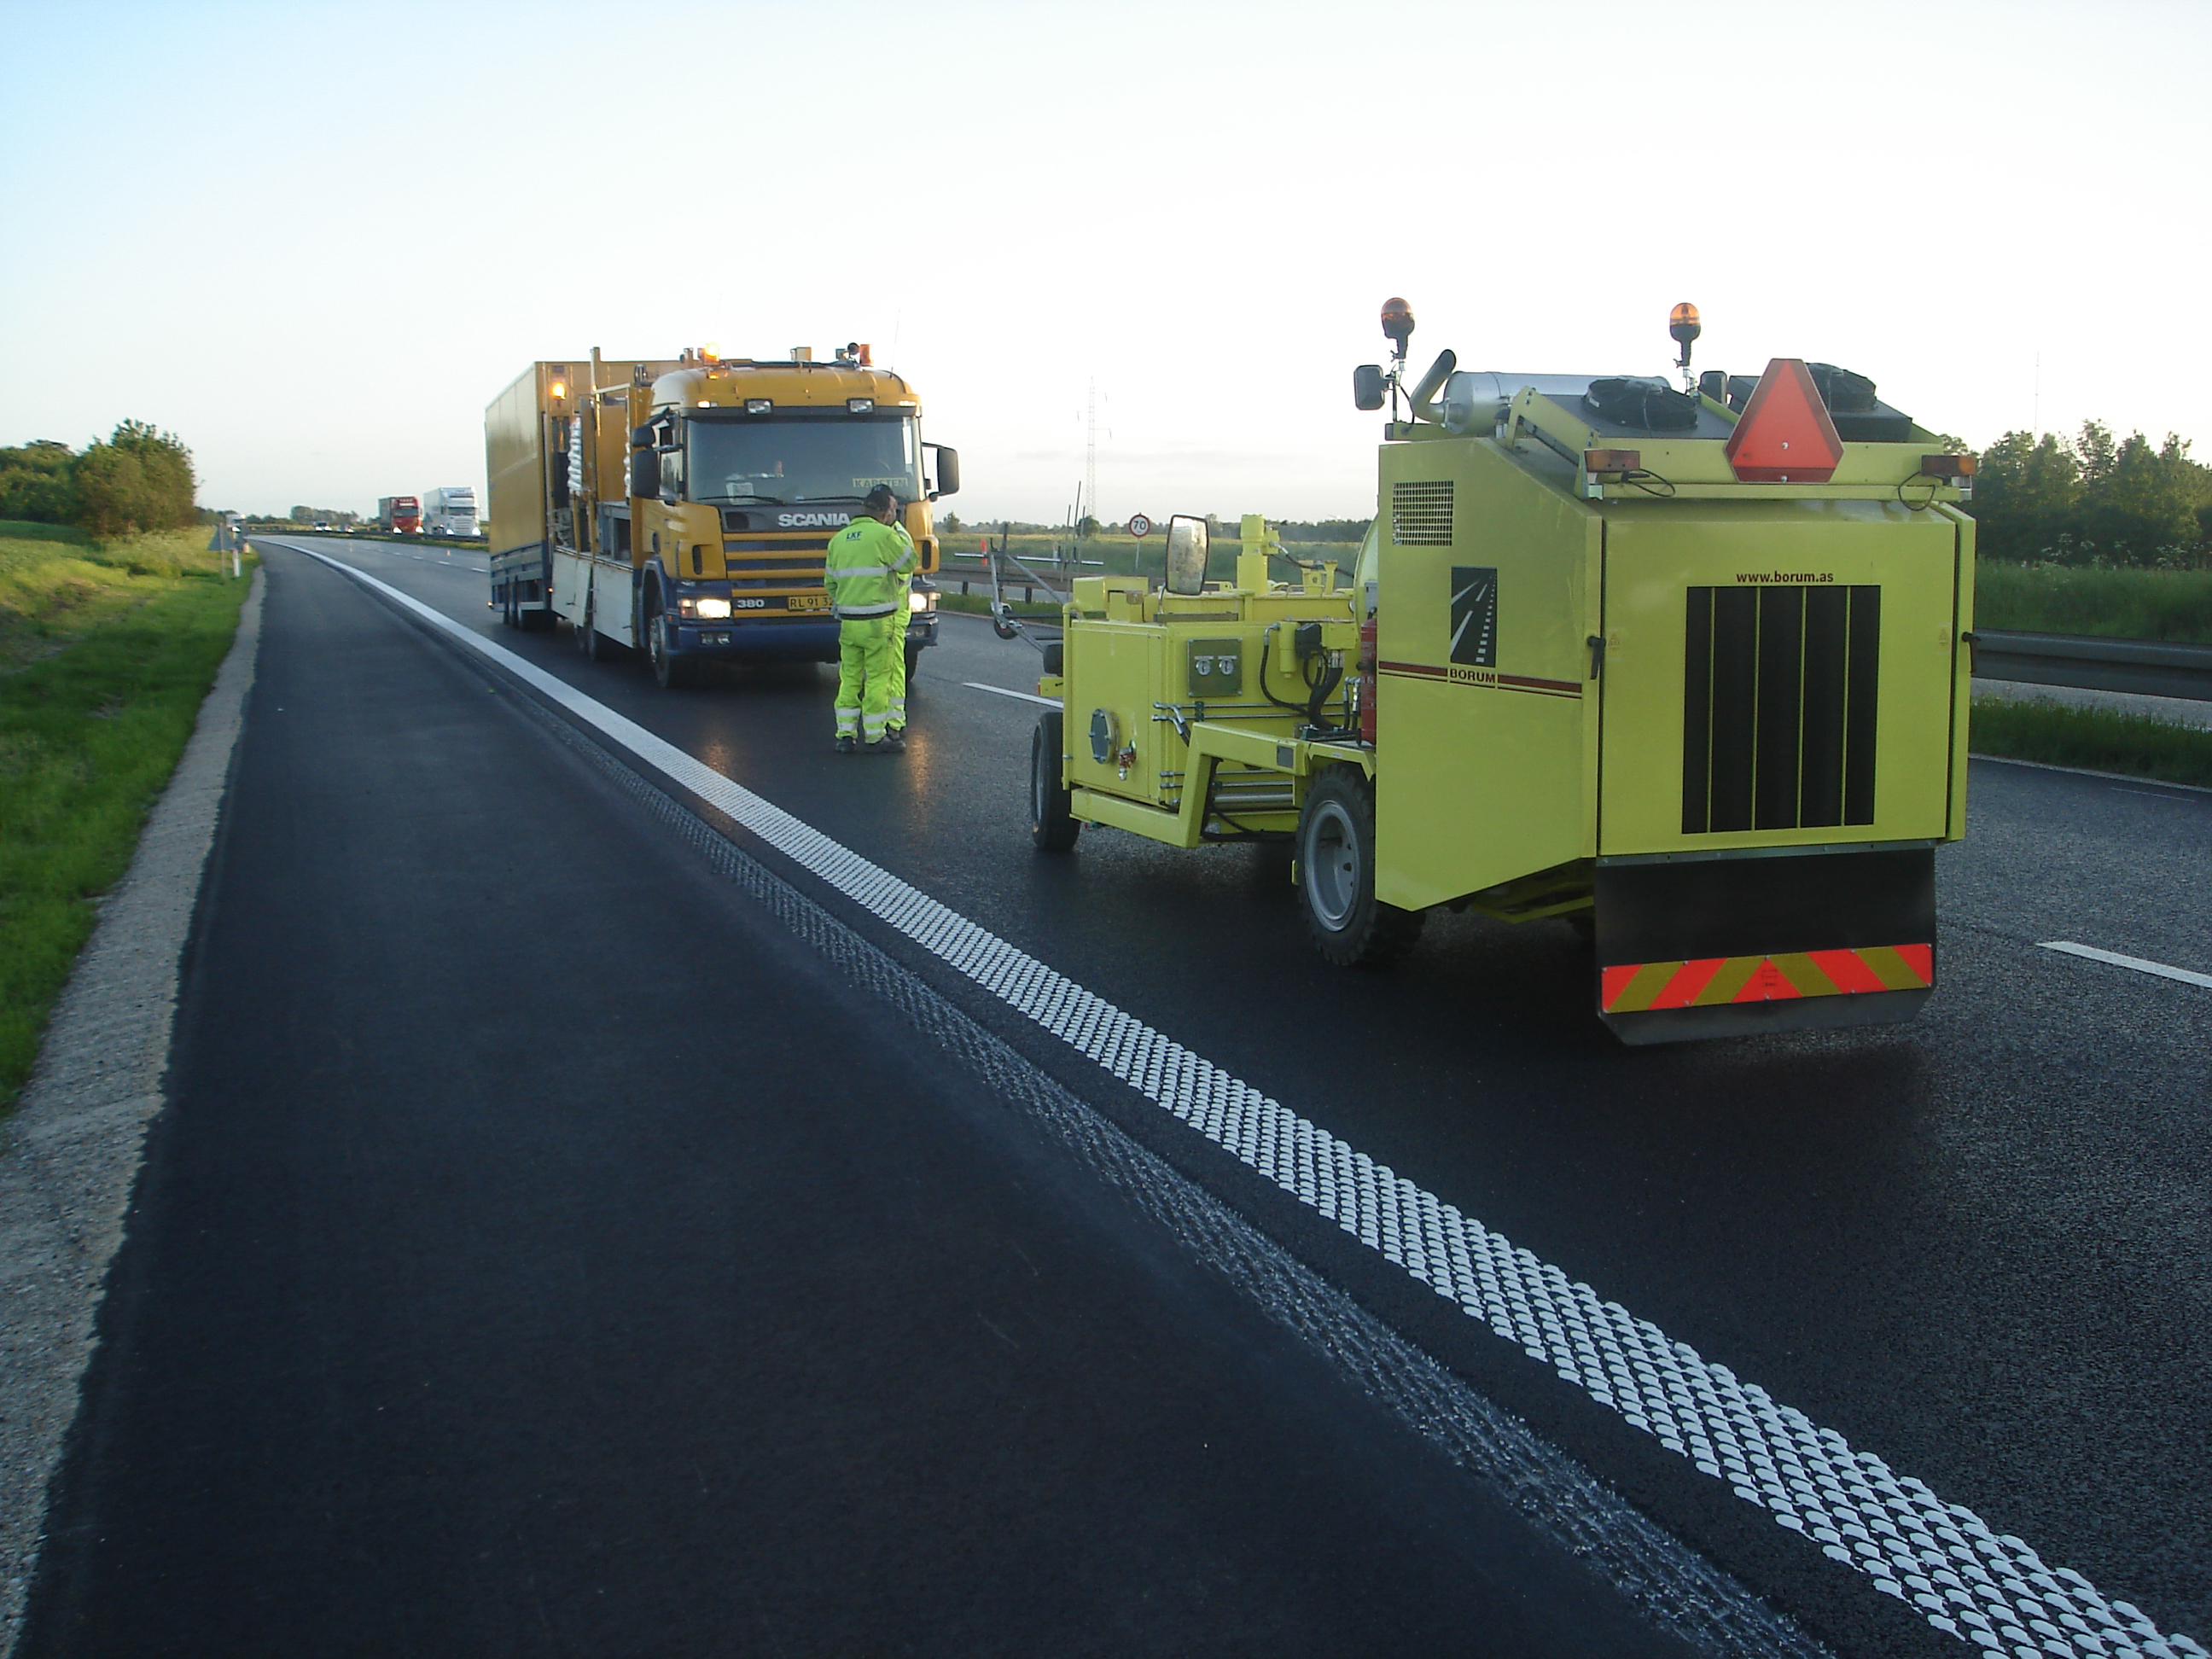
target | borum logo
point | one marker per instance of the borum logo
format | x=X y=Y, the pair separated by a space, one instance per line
x=804 y=520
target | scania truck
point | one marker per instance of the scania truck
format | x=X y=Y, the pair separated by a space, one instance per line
x=450 y=510
x=1684 y=669
x=400 y=514
x=682 y=507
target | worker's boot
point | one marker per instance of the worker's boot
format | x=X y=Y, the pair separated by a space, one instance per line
x=894 y=743
x=845 y=743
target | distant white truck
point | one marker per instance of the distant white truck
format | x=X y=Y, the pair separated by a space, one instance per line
x=450 y=511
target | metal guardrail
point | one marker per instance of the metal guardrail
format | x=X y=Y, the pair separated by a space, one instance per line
x=2152 y=668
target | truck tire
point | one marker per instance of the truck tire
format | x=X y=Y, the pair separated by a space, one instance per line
x=672 y=672
x=1052 y=826
x=1336 y=876
x=913 y=657
x=589 y=639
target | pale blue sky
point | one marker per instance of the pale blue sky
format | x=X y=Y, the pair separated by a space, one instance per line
x=315 y=239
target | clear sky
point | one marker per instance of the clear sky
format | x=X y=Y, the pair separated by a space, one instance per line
x=315 y=239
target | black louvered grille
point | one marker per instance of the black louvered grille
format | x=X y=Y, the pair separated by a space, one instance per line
x=1778 y=719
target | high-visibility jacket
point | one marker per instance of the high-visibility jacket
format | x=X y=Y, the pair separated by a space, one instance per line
x=865 y=567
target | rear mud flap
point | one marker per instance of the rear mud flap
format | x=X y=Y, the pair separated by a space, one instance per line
x=1738 y=947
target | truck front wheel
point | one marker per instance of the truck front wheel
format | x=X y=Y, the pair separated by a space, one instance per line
x=672 y=671
x=1052 y=825
x=1336 y=876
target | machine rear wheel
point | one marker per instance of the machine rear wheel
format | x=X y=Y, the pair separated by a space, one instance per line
x=1336 y=876
x=1002 y=622
x=1052 y=825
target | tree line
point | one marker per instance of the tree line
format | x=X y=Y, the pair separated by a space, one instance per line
x=136 y=479
x=2092 y=499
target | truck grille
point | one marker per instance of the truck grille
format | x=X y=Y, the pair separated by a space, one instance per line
x=1779 y=708
x=1421 y=513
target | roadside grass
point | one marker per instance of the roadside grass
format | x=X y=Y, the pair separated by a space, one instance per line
x=105 y=654
x=2099 y=740
x=2113 y=602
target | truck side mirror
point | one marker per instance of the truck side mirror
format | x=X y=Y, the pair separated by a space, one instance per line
x=644 y=473
x=1367 y=387
x=561 y=479
x=641 y=437
x=948 y=471
x=1186 y=551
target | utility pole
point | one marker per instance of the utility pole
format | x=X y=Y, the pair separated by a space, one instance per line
x=1090 y=454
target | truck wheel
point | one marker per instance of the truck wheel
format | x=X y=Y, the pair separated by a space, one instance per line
x=589 y=641
x=1336 y=876
x=672 y=672
x=1052 y=826
x=913 y=657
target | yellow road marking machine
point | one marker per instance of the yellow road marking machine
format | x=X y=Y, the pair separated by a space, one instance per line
x=1686 y=668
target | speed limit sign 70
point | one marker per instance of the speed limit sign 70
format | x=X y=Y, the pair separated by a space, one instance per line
x=1139 y=525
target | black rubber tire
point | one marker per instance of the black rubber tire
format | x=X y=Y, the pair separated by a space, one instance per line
x=587 y=636
x=1054 y=656
x=1348 y=925
x=1052 y=826
x=1002 y=627
x=912 y=658
x=670 y=672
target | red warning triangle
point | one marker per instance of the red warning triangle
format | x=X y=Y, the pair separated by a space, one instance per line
x=1785 y=435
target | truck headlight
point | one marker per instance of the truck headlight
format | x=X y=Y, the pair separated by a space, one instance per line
x=711 y=607
x=922 y=601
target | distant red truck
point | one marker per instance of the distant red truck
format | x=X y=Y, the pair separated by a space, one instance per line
x=402 y=513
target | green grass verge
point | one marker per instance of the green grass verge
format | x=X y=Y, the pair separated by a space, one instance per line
x=2118 y=603
x=2099 y=740
x=979 y=605
x=24 y=530
x=92 y=722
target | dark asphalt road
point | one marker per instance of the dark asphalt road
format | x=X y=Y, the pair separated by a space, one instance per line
x=1977 y=1245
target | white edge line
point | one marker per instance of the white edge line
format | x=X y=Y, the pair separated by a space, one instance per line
x=1004 y=691
x=2185 y=976
x=1864 y=1516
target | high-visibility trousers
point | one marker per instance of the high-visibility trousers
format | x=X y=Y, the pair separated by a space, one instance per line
x=895 y=715
x=867 y=647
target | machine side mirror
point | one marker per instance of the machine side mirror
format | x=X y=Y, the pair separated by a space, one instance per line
x=1367 y=387
x=948 y=471
x=1186 y=551
x=641 y=437
x=644 y=473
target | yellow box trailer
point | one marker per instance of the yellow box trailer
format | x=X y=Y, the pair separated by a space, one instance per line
x=1684 y=669
x=682 y=506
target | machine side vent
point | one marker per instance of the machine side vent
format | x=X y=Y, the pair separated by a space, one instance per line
x=1778 y=707
x=1421 y=513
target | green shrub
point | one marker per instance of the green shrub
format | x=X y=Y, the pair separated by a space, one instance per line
x=2114 y=603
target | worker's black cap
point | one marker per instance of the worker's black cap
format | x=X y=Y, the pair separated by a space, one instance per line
x=881 y=496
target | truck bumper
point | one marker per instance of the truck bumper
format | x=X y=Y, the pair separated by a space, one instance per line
x=921 y=630
x=739 y=640
x=1737 y=946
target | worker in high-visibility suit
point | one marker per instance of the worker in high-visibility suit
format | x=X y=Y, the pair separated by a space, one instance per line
x=866 y=570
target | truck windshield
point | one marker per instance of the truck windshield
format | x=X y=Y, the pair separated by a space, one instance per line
x=836 y=459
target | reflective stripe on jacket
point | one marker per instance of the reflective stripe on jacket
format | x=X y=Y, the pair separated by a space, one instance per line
x=865 y=567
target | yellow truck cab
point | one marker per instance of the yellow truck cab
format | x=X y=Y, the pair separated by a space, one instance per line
x=1684 y=668
x=681 y=507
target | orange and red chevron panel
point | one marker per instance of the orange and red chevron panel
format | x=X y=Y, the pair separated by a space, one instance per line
x=1633 y=987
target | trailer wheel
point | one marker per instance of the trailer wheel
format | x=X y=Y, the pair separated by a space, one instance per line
x=1002 y=622
x=1336 y=876
x=1052 y=826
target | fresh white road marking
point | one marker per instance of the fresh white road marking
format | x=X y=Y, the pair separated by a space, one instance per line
x=1984 y=1587
x=2185 y=976
x=1008 y=691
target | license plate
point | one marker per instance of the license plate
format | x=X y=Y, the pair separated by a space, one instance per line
x=807 y=602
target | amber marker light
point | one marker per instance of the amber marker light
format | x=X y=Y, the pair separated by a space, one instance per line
x=1613 y=460
x=559 y=388
x=1397 y=323
x=1948 y=466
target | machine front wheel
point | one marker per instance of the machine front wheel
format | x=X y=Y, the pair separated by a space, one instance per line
x=1052 y=825
x=1336 y=876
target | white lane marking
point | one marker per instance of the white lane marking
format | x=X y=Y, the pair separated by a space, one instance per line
x=1984 y=1587
x=1007 y=691
x=2185 y=976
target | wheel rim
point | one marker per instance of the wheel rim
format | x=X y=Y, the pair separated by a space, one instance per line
x=1332 y=865
x=1037 y=781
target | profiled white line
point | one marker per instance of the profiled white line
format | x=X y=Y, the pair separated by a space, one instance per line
x=2185 y=976
x=1984 y=1587
x=1006 y=691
